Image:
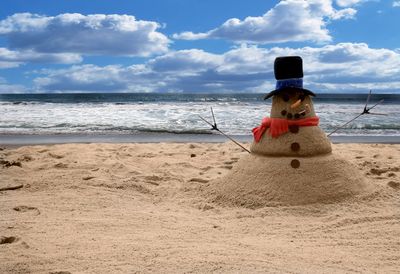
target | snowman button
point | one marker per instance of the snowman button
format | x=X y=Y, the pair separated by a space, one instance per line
x=295 y=146
x=289 y=116
x=283 y=112
x=295 y=163
x=294 y=128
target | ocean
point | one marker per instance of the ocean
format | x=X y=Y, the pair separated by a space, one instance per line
x=134 y=114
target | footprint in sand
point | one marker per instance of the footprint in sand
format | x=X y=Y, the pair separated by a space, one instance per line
x=6 y=163
x=394 y=169
x=199 y=180
x=366 y=163
x=60 y=165
x=378 y=171
x=88 y=178
x=153 y=179
x=118 y=166
x=23 y=208
x=55 y=156
x=137 y=187
x=25 y=158
x=205 y=207
x=395 y=185
x=147 y=155
x=8 y=240
x=184 y=164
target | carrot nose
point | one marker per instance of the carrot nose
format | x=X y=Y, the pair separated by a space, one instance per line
x=296 y=104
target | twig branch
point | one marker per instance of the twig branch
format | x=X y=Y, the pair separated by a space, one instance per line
x=11 y=187
x=214 y=127
x=365 y=111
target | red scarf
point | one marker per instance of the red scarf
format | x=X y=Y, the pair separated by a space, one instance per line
x=279 y=126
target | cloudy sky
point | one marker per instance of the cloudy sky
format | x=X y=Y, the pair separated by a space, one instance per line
x=67 y=46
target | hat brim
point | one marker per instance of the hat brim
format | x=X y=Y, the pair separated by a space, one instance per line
x=277 y=91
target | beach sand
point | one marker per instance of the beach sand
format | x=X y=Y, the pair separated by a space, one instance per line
x=126 y=208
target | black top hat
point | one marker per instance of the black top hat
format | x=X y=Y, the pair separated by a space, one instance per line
x=289 y=75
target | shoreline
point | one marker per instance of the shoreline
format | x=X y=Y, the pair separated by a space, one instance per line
x=48 y=139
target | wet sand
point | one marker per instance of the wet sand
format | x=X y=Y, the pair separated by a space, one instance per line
x=16 y=140
x=126 y=208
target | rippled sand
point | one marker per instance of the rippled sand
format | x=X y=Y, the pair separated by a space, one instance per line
x=125 y=208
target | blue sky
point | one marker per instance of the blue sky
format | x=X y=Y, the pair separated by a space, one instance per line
x=196 y=45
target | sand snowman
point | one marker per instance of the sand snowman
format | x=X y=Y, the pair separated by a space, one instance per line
x=291 y=160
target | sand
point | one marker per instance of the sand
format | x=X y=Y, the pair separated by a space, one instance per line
x=145 y=208
x=257 y=181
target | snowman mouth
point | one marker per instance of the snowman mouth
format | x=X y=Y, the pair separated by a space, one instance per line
x=305 y=110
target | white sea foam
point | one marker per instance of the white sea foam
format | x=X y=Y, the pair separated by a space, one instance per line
x=233 y=117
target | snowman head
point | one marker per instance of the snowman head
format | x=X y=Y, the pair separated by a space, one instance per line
x=289 y=99
x=292 y=104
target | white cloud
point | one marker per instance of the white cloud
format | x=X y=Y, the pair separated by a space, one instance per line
x=185 y=60
x=249 y=59
x=96 y=34
x=9 y=58
x=89 y=78
x=347 y=3
x=289 y=20
x=340 y=67
x=4 y=65
x=396 y=4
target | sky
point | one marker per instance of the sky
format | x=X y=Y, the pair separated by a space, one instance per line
x=197 y=46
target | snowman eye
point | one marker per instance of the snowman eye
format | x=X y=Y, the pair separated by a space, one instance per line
x=285 y=97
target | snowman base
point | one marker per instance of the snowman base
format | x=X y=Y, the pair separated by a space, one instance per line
x=258 y=181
